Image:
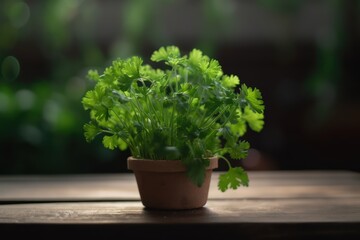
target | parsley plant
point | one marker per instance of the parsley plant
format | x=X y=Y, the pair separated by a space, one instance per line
x=188 y=111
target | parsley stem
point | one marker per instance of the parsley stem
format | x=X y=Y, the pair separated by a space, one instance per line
x=226 y=160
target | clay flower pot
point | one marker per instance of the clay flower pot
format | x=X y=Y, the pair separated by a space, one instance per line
x=163 y=184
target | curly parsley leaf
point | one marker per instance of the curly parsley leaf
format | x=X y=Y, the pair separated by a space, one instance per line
x=93 y=75
x=253 y=98
x=163 y=54
x=239 y=150
x=255 y=120
x=90 y=131
x=213 y=70
x=132 y=67
x=203 y=64
x=233 y=178
x=196 y=57
x=112 y=142
x=196 y=170
x=239 y=127
x=230 y=81
x=170 y=54
x=98 y=102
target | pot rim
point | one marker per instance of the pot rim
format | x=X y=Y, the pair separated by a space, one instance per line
x=149 y=165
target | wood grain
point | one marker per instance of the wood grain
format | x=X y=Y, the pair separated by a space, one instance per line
x=119 y=187
x=277 y=205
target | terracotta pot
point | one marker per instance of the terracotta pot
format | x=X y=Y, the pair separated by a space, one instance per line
x=163 y=184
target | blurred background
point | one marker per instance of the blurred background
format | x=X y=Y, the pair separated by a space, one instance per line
x=302 y=55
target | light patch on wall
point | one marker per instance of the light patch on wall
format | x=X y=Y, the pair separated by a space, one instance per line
x=10 y=68
x=31 y=134
x=25 y=99
x=4 y=102
x=18 y=14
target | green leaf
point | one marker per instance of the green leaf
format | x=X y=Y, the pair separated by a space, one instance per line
x=171 y=152
x=239 y=150
x=110 y=142
x=233 y=178
x=253 y=98
x=254 y=119
x=196 y=169
x=112 y=74
x=99 y=103
x=214 y=69
x=225 y=132
x=239 y=128
x=195 y=57
x=93 y=75
x=165 y=54
x=89 y=100
x=132 y=67
x=230 y=81
x=146 y=71
x=122 y=144
x=121 y=74
x=199 y=61
x=90 y=131
x=120 y=97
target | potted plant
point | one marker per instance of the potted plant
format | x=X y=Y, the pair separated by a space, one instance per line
x=177 y=122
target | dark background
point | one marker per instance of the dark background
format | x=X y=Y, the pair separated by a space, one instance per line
x=302 y=55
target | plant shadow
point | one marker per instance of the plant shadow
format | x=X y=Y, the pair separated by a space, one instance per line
x=198 y=215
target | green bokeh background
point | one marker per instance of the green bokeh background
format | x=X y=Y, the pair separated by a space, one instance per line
x=302 y=55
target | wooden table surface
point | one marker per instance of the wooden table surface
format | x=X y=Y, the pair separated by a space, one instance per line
x=276 y=205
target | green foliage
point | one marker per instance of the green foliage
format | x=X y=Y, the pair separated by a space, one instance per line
x=230 y=81
x=233 y=178
x=187 y=111
x=253 y=98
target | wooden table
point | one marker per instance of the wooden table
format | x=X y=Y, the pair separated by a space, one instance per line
x=277 y=205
